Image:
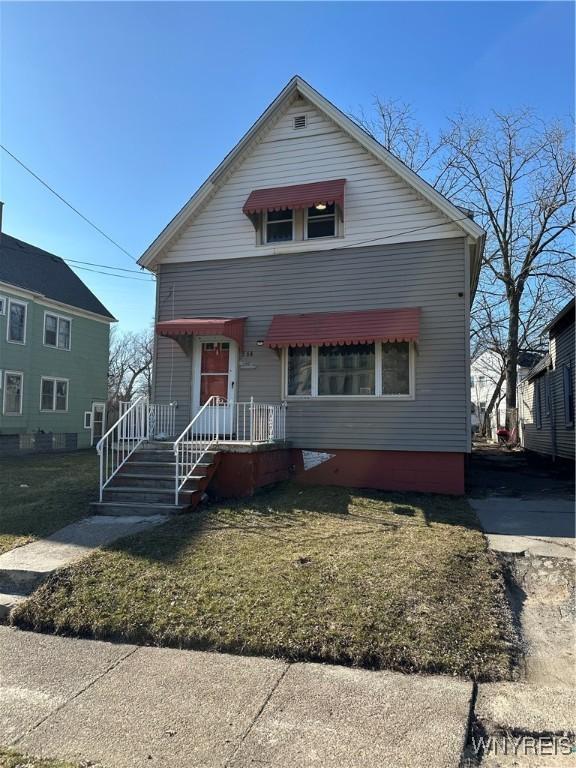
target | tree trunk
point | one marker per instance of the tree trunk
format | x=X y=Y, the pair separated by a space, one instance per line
x=512 y=352
x=490 y=408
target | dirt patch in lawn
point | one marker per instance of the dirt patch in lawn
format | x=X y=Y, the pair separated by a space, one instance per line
x=326 y=574
x=11 y=759
x=40 y=494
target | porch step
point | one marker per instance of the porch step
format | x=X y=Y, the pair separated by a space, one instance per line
x=145 y=480
x=122 y=509
x=148 y=495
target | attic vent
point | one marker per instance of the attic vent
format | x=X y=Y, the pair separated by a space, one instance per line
x=299 y=122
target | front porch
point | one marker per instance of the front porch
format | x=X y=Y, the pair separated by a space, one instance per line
x=145 y=468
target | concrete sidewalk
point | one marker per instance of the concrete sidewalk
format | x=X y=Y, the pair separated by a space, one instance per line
x=22 y=569
x=126 y=706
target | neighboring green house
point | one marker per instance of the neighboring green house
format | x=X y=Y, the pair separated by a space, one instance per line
x=54 y=342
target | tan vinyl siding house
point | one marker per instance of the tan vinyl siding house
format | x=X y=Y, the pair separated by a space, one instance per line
x=396 y=245
x=546 y=396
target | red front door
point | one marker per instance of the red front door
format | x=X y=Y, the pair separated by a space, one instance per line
x=214 y=370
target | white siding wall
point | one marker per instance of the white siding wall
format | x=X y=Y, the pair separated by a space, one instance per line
x=379 y=206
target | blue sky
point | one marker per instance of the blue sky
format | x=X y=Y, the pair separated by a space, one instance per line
x=125 y=108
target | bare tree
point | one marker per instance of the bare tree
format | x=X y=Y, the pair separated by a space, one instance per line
x=516 y=173
x=130 y=365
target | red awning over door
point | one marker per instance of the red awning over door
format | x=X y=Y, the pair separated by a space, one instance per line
x=296 y=197
x=344 y=327
x=229 y=327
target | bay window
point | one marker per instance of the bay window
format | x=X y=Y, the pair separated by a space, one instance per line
x=377 y=369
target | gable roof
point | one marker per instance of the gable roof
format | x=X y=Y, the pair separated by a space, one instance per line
x=26 y=266
x=299 y=86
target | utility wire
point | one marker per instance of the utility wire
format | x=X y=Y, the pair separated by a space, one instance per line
x=109 y=274
x=86 y=219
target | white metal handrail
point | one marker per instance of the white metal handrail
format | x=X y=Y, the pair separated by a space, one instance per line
x=198 y=437
x=161 y=420
x=122 y=439
x=255 y=423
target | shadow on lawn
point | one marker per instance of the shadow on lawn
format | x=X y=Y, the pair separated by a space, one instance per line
x=285 y=512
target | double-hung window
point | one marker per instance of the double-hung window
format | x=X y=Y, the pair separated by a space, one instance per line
x=538 y=390
x=321 y=221
x=378 y=369
x=16 y=331
x=12 y=399
x=53 y=394
x=56 y=331
x=279 y=226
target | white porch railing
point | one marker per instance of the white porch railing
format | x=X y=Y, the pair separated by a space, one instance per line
x=162 y=420
x=122 y=439
x=220 y=422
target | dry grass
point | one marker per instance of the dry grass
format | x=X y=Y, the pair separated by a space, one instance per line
x=331 y=574
x=11 y=759
x=39 y=494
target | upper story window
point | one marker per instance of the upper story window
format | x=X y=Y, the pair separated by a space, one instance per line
x=279 y=226
x=2 y=305
x=16 y=330
x=298 y=212
x=56 y=331
x=321 y=221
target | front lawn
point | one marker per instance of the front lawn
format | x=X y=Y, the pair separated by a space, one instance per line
x=39 y=494
x=326 y=574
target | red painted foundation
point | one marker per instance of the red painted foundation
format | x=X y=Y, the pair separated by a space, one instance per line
x=240 y=474
x=423 y=471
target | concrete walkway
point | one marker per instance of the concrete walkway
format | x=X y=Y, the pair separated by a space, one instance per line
x=24 y=568
x=128 y=707
x=544 y=527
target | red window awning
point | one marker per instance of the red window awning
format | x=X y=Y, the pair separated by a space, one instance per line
x=296 y=197
x=344 y=327
x=230 y=327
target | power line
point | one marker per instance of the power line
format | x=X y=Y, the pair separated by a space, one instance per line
x=106 y=266
x=86 y=219
x=109 y=274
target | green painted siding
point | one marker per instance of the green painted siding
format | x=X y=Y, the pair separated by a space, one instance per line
x=85 y=366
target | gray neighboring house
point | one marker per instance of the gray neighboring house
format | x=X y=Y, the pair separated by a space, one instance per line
x=314 y=268
x=546 y=395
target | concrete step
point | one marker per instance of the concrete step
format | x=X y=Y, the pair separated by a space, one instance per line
x=148 y=495
x=124 y=509
x=20 y=581
x=141 y=480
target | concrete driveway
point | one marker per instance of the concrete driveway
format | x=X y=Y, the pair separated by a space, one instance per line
x=545 y=527
x=524 y=504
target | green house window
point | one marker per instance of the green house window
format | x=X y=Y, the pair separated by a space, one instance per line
x=54 y=395
x=56 y=331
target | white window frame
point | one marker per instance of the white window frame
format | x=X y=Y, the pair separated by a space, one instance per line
x=58 y=318
x=13 y=373
x=327 y=215
x=25 y=305
x=89 y=420
x=378 y=395
x=265 y=229
x=3 y=302
x=55 y=379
